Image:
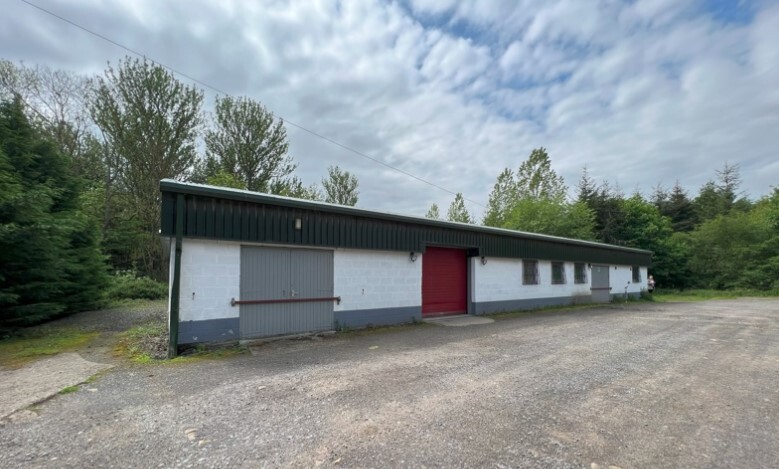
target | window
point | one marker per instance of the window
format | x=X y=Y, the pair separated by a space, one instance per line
x=579 y=273
x=558 y=273
x=530 y=272
x=636 y=274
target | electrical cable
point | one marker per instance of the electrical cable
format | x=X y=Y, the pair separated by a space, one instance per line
x=213 y=88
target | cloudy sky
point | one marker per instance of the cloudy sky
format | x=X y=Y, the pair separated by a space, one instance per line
x=639 y=91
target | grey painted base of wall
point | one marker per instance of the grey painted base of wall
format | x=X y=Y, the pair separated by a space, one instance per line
x=216 y=330
x=378 y=317
x=210 y=330
x=487 y=307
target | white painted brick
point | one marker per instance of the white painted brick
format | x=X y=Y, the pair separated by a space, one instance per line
x=376 y=279
x=212 y=270
x=501 y=279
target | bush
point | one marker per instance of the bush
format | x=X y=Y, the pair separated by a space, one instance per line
x=129 y=287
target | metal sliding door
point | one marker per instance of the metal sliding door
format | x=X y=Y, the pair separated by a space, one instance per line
x=277 y=275
x=601 y=292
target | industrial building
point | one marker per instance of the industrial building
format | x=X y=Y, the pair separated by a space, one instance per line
x=246 y=265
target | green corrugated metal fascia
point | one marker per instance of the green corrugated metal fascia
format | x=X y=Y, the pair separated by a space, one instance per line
x=230 y=214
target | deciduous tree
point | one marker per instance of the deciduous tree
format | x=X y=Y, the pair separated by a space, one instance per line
x=151 y=120
x=433 y=212
x=248 y=142
x=457 y=211
x=340 y=187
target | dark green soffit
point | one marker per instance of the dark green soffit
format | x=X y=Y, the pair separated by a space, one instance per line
x=238 y=215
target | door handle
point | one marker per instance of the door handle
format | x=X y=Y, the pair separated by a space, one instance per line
x=293 y=293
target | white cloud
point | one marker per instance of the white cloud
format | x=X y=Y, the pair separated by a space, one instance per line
x=642 y=92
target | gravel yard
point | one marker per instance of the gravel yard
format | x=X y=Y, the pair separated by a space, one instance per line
x=640 y=385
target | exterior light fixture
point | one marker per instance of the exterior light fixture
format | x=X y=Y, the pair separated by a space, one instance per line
x=298 y=223
x=483 y=260
x=412 y=256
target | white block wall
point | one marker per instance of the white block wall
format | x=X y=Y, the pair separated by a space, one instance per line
x=501 y=279
x=210 y=277
x=621 y=276
x=376 y=279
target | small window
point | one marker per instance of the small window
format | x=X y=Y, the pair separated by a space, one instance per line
x=530 y=272
x=579 y=273
x=636 y=274
x=558 y=273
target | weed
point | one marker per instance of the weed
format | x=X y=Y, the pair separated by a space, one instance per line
x=144 y=343
x=69 y=390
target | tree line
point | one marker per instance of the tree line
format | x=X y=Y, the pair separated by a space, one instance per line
x=717 y=239
x=81 y=158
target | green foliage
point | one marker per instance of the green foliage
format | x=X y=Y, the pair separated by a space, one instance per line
x=129 y=287
x=50 y=261
x=739 y=249
x=340 y=187
x=247 y=142
x=293 y=187
x=671 y=296
x=433 y=213
x=457 y=211
x=502 y=199
x=536 y=178
x=150 y=121
x=552 y=217
x=535 y=201
x=720 y=197
x=224 y=179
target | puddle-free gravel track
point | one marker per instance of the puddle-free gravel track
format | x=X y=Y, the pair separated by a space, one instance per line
x=639 y=385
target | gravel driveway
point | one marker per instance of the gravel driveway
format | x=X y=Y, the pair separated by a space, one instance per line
x=644 y=385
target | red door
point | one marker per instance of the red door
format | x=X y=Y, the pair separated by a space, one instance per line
x=444 y=282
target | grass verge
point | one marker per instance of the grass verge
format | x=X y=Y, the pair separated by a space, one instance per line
x=41 y=343
x=669 y=296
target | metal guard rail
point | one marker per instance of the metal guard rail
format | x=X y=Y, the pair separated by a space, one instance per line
x=234 y=302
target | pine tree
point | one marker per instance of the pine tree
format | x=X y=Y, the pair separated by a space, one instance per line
x=50 y=261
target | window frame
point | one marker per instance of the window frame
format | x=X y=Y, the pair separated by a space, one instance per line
x=534 y=278
x=560 y=267
x=579 y=268
x=636 y=273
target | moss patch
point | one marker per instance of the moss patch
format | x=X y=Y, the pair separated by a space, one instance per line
x=69 y=390
x=41 y=343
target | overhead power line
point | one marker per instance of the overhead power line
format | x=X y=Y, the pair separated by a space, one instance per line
x=220 y=91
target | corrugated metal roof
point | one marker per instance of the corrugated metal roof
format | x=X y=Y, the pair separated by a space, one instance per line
x=172 y=186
